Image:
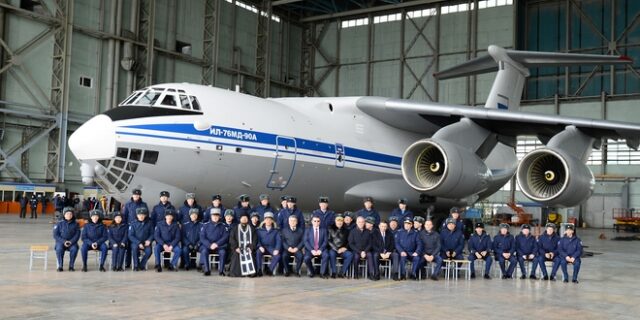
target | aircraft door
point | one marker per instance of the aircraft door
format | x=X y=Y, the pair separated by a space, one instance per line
x=340 y=155
x=283 y=164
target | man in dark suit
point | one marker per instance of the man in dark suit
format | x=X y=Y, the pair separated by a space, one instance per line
x=315 y=243
x=382 y=246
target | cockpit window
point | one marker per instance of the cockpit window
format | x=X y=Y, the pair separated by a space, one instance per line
x=194 y=103
x=149 y=98
x=185 y=102
x=169 y=100
x=163 y=97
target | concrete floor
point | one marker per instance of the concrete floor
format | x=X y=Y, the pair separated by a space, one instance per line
x=608 y=289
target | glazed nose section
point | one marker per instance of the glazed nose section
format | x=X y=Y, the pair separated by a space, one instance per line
x=94 y=140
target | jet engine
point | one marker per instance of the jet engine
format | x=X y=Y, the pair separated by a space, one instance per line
x=554 y=178
x=441 y=168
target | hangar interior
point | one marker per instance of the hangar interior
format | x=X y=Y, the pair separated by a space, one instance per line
x=63 y=61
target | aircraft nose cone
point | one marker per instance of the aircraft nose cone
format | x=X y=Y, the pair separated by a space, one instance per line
x=96 y=139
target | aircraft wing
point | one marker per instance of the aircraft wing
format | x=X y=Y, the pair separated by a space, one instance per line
x=422 y=118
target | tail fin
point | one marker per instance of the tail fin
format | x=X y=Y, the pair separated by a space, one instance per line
x=513 y=67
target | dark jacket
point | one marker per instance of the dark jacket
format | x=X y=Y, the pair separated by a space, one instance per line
x=503 y=244
x=369 y=213
x=140 y=231
x=129 y=211
x=452 y=241
x=548 y=244
x=95 y=232
x=380 y=245
x=168 y=234
x=183 y=215
x=283 y=218
x=408 y=241
x=397 y=213
x=292 y=239
x=214 y=233
x=479 y=243
x=309 y=241
x=430 y=242
x=206 y=215
x=66 y=231
x=191 y=235
x=118 y=234
x=338 y=238
x=157 y=214
x=239 y=211
x=360 y=240
x=269 y=239
x=260 y=209
x=570 y=247
x=327 y=218
x=526 y=245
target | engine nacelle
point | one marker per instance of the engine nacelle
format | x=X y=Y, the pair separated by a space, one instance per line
x=554 y=178
x=441 y=168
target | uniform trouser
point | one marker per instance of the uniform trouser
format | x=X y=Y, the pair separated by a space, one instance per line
x=400 y=264
x=487 y=263
x=135 y=254
x=204 y=258
x=127 y=253
x=576 y=268
x=437 y=259
x=84 y=251
x=159 y=250
x=347 y=257
x=512 y=264
x=286 y=257
x=324 y=261
x=187 y=254
x=541 y=259
x=73 y=253
x=34 y=212
x=23 y=212
x=458 y=255
x=117 y=256
x=275 y=259
x=521 y=261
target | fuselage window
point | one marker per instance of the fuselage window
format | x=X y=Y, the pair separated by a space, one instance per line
x=185 y=102
x=194 y=103
x=150 y=98
x=169 y=100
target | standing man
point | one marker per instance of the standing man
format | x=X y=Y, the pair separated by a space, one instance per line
x=264 y=206
x=140 y=237
x=157 y=214
x=291 y=210
x=94 y=237
x=23 y=205
x=191 y=239
x=327 y=217
x=401 y=211
x=359 y=243
x=382 y=247
x=548 y=251
x=216 y=203
x=167 y=236
x=189 y=203
x=269 y=243
x=570 y=250
x=504 y=247
x=480 y=249
x=527 y=250
x=66 y=234
x=408 y=247
x=454 y=213
x=213 y=240
x=315 y=243
x=292 y=244
x=242 y=208
x=130 y=208
x=338 y=241
x=369 y=211
x=34 y=206
x=431 y=249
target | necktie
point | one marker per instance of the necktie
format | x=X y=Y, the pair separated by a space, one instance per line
x=383 y=244
x=315 y=239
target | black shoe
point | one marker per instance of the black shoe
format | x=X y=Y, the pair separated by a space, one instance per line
x=207 y=273
x=71 y=269
x=60 y=269
x=412 y=277
x=545 y=278
x=523 y=277
x=473 y=276
x=286 y=273
x=376 y=277
x=259 y=273
x=136 y=269
x=403 y=278
x=186 y=268
x=84 y=269
x=434 y=278
x=553 y=279
x=395 y=277
x=120 y=269
x=102 y=269
x=173 y=268
x=325 y=276
x=333 y=276
x=509 y=277
x=221 y=274
x=114 y=269
x=298 y=274
x=340 y=275
x=142 y=268
x=487 y=276
x=504 y=276
x=565 y=281
x=533 y=277
x=158 y=269
x=575 y=281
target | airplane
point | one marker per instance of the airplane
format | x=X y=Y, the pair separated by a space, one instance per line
x=189 y=138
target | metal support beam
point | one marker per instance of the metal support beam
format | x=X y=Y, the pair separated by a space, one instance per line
x=210 y=41
x=263 y=49
x=146 y=34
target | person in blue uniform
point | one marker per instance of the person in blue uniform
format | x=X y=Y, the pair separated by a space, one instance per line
x=190 y=202
x=408 y=248
x=140 y=235
x=167 y=236
x=269 y=243
x=526 y=250
x=157 y=213
x=431 y=249
x=315 y=244
x=242 y=208
x=452 y=241
x=191 y=240
x=214 y=237
x=401 y=211
x=393 y=224
x=94 y=237
x=480 y=249
x=360 y=242
x=129 y=215
x=338 y=241
x=291 y=209
x=548 y=251
x=34 y=206
x=264 y=206
x=118 y=241
x=570 y=251
x=348 y=220
x=418 y=223
x=327 y=216
x=255 y=219
x=216 y=203
x=66 y=233
x=504 y=247
x=23 y=205
x=229 y=217
x=369 y=211
x=454 y=213
x=292 y=244
x=382 y=247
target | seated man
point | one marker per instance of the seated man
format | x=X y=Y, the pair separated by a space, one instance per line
x=118 y=241
x=315 y=244
x=431 y=249
x=66 y=234
x=570 y=251
x=452 y=241
x=418 y=223
x=480 y=249
x=269 y=242
x=504 y=247
x=548 y=251
x=527 y=250
x=94 y=237
x=382 y=247
x=191 y=239
x=339 y=247
x=213 y=240
x=408 y=247
x=292 y=244
x=140 y=236
x=360 y=242
x=167 y=236
x=393 y=224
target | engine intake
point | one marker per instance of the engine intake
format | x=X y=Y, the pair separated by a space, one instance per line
x=441 y=168
x=552 y=177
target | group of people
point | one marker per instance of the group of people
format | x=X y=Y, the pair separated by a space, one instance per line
x=243 y=238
